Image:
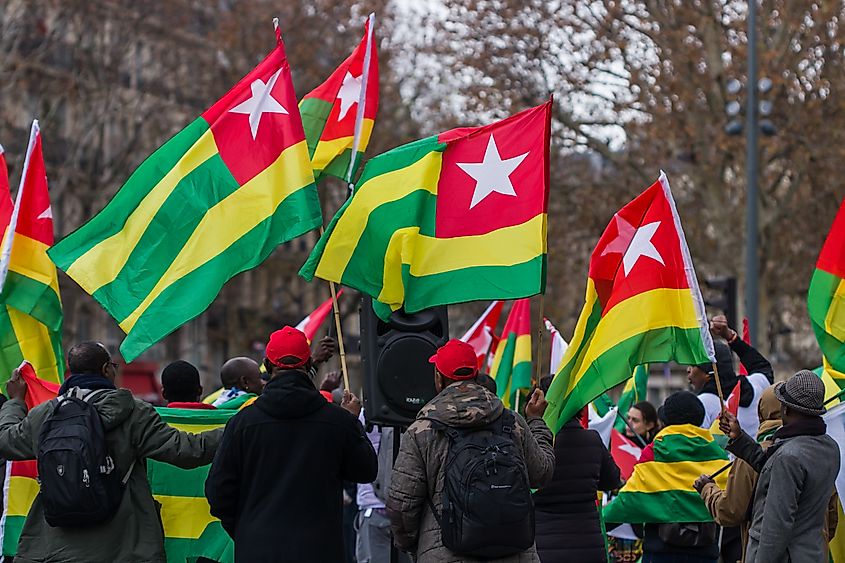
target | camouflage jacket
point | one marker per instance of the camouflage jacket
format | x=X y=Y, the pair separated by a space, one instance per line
x=419 y=469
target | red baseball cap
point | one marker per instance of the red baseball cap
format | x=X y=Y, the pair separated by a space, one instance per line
x=453 y=356
x=288 y=341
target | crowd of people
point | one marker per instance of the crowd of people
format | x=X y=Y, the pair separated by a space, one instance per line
x=471 y=480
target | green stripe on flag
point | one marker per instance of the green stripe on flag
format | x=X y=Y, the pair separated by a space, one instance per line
x=673 y=447
x=505 y=367
x=12 y=534
x=206 y=186
x=398 y=158
x=112 y=218
x=187 y=297
x=10 y=351
x=662 y=507
x=314 y=113
x=611 y=367
x=36 y=299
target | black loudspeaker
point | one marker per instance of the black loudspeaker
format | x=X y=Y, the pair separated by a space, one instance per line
x=398 y=379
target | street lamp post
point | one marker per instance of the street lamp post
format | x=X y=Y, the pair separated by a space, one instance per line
x=751 y=164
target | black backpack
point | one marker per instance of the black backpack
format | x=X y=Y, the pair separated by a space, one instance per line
x=79 y=482
x=487 y=507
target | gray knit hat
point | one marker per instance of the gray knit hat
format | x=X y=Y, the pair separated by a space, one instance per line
x=803 y=392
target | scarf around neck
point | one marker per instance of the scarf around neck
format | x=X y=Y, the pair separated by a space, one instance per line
x=90 y=381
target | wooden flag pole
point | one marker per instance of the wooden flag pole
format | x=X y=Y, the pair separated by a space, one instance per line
x=340 y=347
x=719 y=386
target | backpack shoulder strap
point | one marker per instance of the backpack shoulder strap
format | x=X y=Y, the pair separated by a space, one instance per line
x=452 y=433
x=89 y=397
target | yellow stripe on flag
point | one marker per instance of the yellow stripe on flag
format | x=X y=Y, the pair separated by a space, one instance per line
x=429 y=255
x=34 y=342
x=102 y=263
x=193 y=428
x=387 y=187
x=252 y=203
x=655 y=309
x=522 y=353
x=686 y=430
x=29 y=258
x=834 y=322
x=22 y=493
x=655 y=476
x=326 y=151
x=173 y=511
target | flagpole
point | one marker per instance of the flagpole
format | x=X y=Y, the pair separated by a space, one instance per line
x=718 y=385
x=540 y=327
x=13 y=222
x=362 y=101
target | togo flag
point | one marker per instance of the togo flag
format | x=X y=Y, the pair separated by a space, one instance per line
x=512 y=361
x=190 y=531
x=642 y=305
x=30 y=305
x=457 y=217
x=338 y=115
x=660 y=489
x=212 y=202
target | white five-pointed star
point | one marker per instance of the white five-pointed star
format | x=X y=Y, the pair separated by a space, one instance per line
x=46 y=214
x=349 y=93
x=631 y=450
x=633 y=243
x=261 y=102
x=492 y=174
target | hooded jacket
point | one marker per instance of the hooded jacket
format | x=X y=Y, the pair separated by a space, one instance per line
x=276 y=483
x=418 y=473
x=134 y=432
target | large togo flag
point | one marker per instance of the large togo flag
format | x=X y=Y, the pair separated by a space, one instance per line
x=826 y=299
x=660 y=489
x=643 y=305
x=190 y=531
x=452 y=218
x=212 y=202
x=30 y=306
x=338 y=115
x=512 y=362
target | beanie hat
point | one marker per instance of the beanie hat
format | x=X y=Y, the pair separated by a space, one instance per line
x=724 y=363
x=681 y=407
x=288 y=342
x=453 y=356
x=803 y=392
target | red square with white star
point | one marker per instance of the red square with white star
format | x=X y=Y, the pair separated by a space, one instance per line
x=495 y=176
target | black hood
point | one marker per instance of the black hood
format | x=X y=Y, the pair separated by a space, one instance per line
x=290 y=395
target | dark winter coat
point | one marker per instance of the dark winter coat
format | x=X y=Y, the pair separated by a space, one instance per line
x=418 y=474
x=568 y=526
x=276 y=482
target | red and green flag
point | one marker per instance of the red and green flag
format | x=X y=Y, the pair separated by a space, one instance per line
x=213 y=201
x=512 y=362
x=30 y=305
x=643 y=304
x=339 y=114
x=660 y=489
x=425 y=227
x=826 y=299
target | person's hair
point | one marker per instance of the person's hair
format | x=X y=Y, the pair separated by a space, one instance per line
x=180 y=382
x=487 y=382
x=649 y=416
x=87 y=357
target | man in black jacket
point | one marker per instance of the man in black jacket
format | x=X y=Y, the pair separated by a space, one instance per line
x=276 y=481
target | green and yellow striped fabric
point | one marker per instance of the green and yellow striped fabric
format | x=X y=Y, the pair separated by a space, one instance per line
x=660 y=489
x=212 y=202
x=190 y=531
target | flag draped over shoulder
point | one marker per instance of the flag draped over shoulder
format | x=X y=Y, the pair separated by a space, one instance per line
x=643 y=304
x=343 y=109
x=425 y=227
x=512 y=362
x=189 y=529
x=30 y=305
x=826 y=299
x=660 y=488
x=213 y=201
